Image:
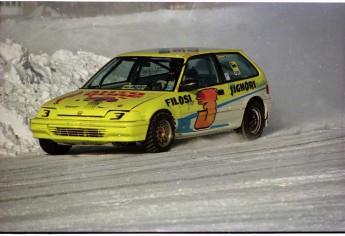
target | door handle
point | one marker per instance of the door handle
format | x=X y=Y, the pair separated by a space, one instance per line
x=220 y=92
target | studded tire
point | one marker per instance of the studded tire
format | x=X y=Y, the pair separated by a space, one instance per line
x=253 y=120
x=53 y=148
x=161 y=133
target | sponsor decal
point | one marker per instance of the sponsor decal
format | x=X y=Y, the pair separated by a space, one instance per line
x=101 y=99
x=245 y=86
x=227 y=76
x=185 y=50
x=111 y=96
x=169 y=50
x=208 y=99
x=71 y=106
x=94 y=103
x=104 y=96
x=221 y=56
x=69 y=96
x=235 y=68
x=134 y=87
x=178 y=101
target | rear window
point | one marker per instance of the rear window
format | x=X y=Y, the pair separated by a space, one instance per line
x=236 y=67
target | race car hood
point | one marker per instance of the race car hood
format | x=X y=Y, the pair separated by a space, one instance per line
x=96 y=103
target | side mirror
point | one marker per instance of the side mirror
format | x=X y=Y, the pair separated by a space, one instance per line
x=189 y=85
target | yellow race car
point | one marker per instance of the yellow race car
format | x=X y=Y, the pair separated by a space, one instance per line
x=152 y=97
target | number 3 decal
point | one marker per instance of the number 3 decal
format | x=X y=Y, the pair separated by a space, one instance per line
x=207 y=98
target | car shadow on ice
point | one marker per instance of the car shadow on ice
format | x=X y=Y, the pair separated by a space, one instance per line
x=213 y=140
x=229 y=138
x=103 y=150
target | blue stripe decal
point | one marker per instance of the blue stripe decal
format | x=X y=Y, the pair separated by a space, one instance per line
x=219 y=126
x=243 y=96
x=188 y=130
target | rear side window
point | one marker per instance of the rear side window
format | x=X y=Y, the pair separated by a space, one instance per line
x=235 y=66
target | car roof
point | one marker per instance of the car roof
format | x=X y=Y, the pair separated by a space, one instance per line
x=183 y=52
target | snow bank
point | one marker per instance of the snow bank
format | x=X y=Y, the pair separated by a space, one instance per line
x=29 y=80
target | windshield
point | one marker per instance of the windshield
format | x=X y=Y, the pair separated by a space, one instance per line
x=141 y=73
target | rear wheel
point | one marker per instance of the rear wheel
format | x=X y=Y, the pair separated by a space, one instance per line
x=160 y=134
x=253 y=120
x=53 y=148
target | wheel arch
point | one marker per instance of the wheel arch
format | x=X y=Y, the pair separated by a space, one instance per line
x=259 y=100
x=252 y=125
x=150 y=143
x=256 y=99
x=164 y=111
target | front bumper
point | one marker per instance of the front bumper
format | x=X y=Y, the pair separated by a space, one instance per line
x=88 y=131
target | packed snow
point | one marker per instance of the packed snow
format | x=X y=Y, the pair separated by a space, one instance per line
x=29 y=80
x=291 y=179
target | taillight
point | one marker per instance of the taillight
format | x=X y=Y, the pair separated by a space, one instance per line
x=267 y=89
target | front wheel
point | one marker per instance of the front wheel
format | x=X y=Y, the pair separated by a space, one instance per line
x=53 y=148
x=161 y=133
x=253 y=121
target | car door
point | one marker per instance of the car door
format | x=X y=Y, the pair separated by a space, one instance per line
x=202 y=112
x=239 y=75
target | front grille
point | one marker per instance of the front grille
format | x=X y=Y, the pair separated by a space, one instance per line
x=77 y=132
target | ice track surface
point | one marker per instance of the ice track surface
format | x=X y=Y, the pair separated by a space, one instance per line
x=277 y=183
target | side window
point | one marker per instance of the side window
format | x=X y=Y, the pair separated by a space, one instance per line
x=201 y=69
x=235 y=66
